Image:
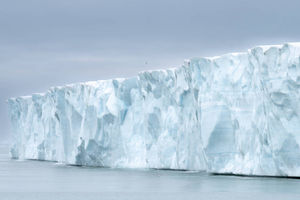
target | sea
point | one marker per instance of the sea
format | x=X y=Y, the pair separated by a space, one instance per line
x=41 y=180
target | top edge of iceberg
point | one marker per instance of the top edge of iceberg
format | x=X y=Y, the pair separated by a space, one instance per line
x=187 y=61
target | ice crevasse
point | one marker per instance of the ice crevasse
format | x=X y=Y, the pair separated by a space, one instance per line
x=238 y=113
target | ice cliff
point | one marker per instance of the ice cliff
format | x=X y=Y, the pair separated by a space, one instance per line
x=237 y=113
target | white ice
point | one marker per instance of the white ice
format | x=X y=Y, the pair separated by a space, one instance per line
x=237 y=113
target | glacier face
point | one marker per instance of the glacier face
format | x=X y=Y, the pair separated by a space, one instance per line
x=237 y=113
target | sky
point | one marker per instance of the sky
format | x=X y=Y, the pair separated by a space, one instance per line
x=56 y=42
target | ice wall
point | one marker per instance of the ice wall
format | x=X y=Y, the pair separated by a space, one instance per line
x=237 y=113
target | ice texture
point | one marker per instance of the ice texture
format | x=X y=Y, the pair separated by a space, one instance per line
x=237 y=113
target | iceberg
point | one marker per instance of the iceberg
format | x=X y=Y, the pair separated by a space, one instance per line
x=238 y=114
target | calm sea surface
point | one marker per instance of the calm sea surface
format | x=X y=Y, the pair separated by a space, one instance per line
x=37 y=180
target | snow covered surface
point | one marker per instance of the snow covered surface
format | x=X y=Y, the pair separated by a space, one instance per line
x=237 y=113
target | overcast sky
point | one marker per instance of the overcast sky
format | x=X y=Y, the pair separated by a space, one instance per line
x=55 y=42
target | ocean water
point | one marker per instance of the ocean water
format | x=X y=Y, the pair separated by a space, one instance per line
x=38 y=180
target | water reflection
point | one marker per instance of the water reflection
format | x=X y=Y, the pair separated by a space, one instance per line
x=48 y=180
